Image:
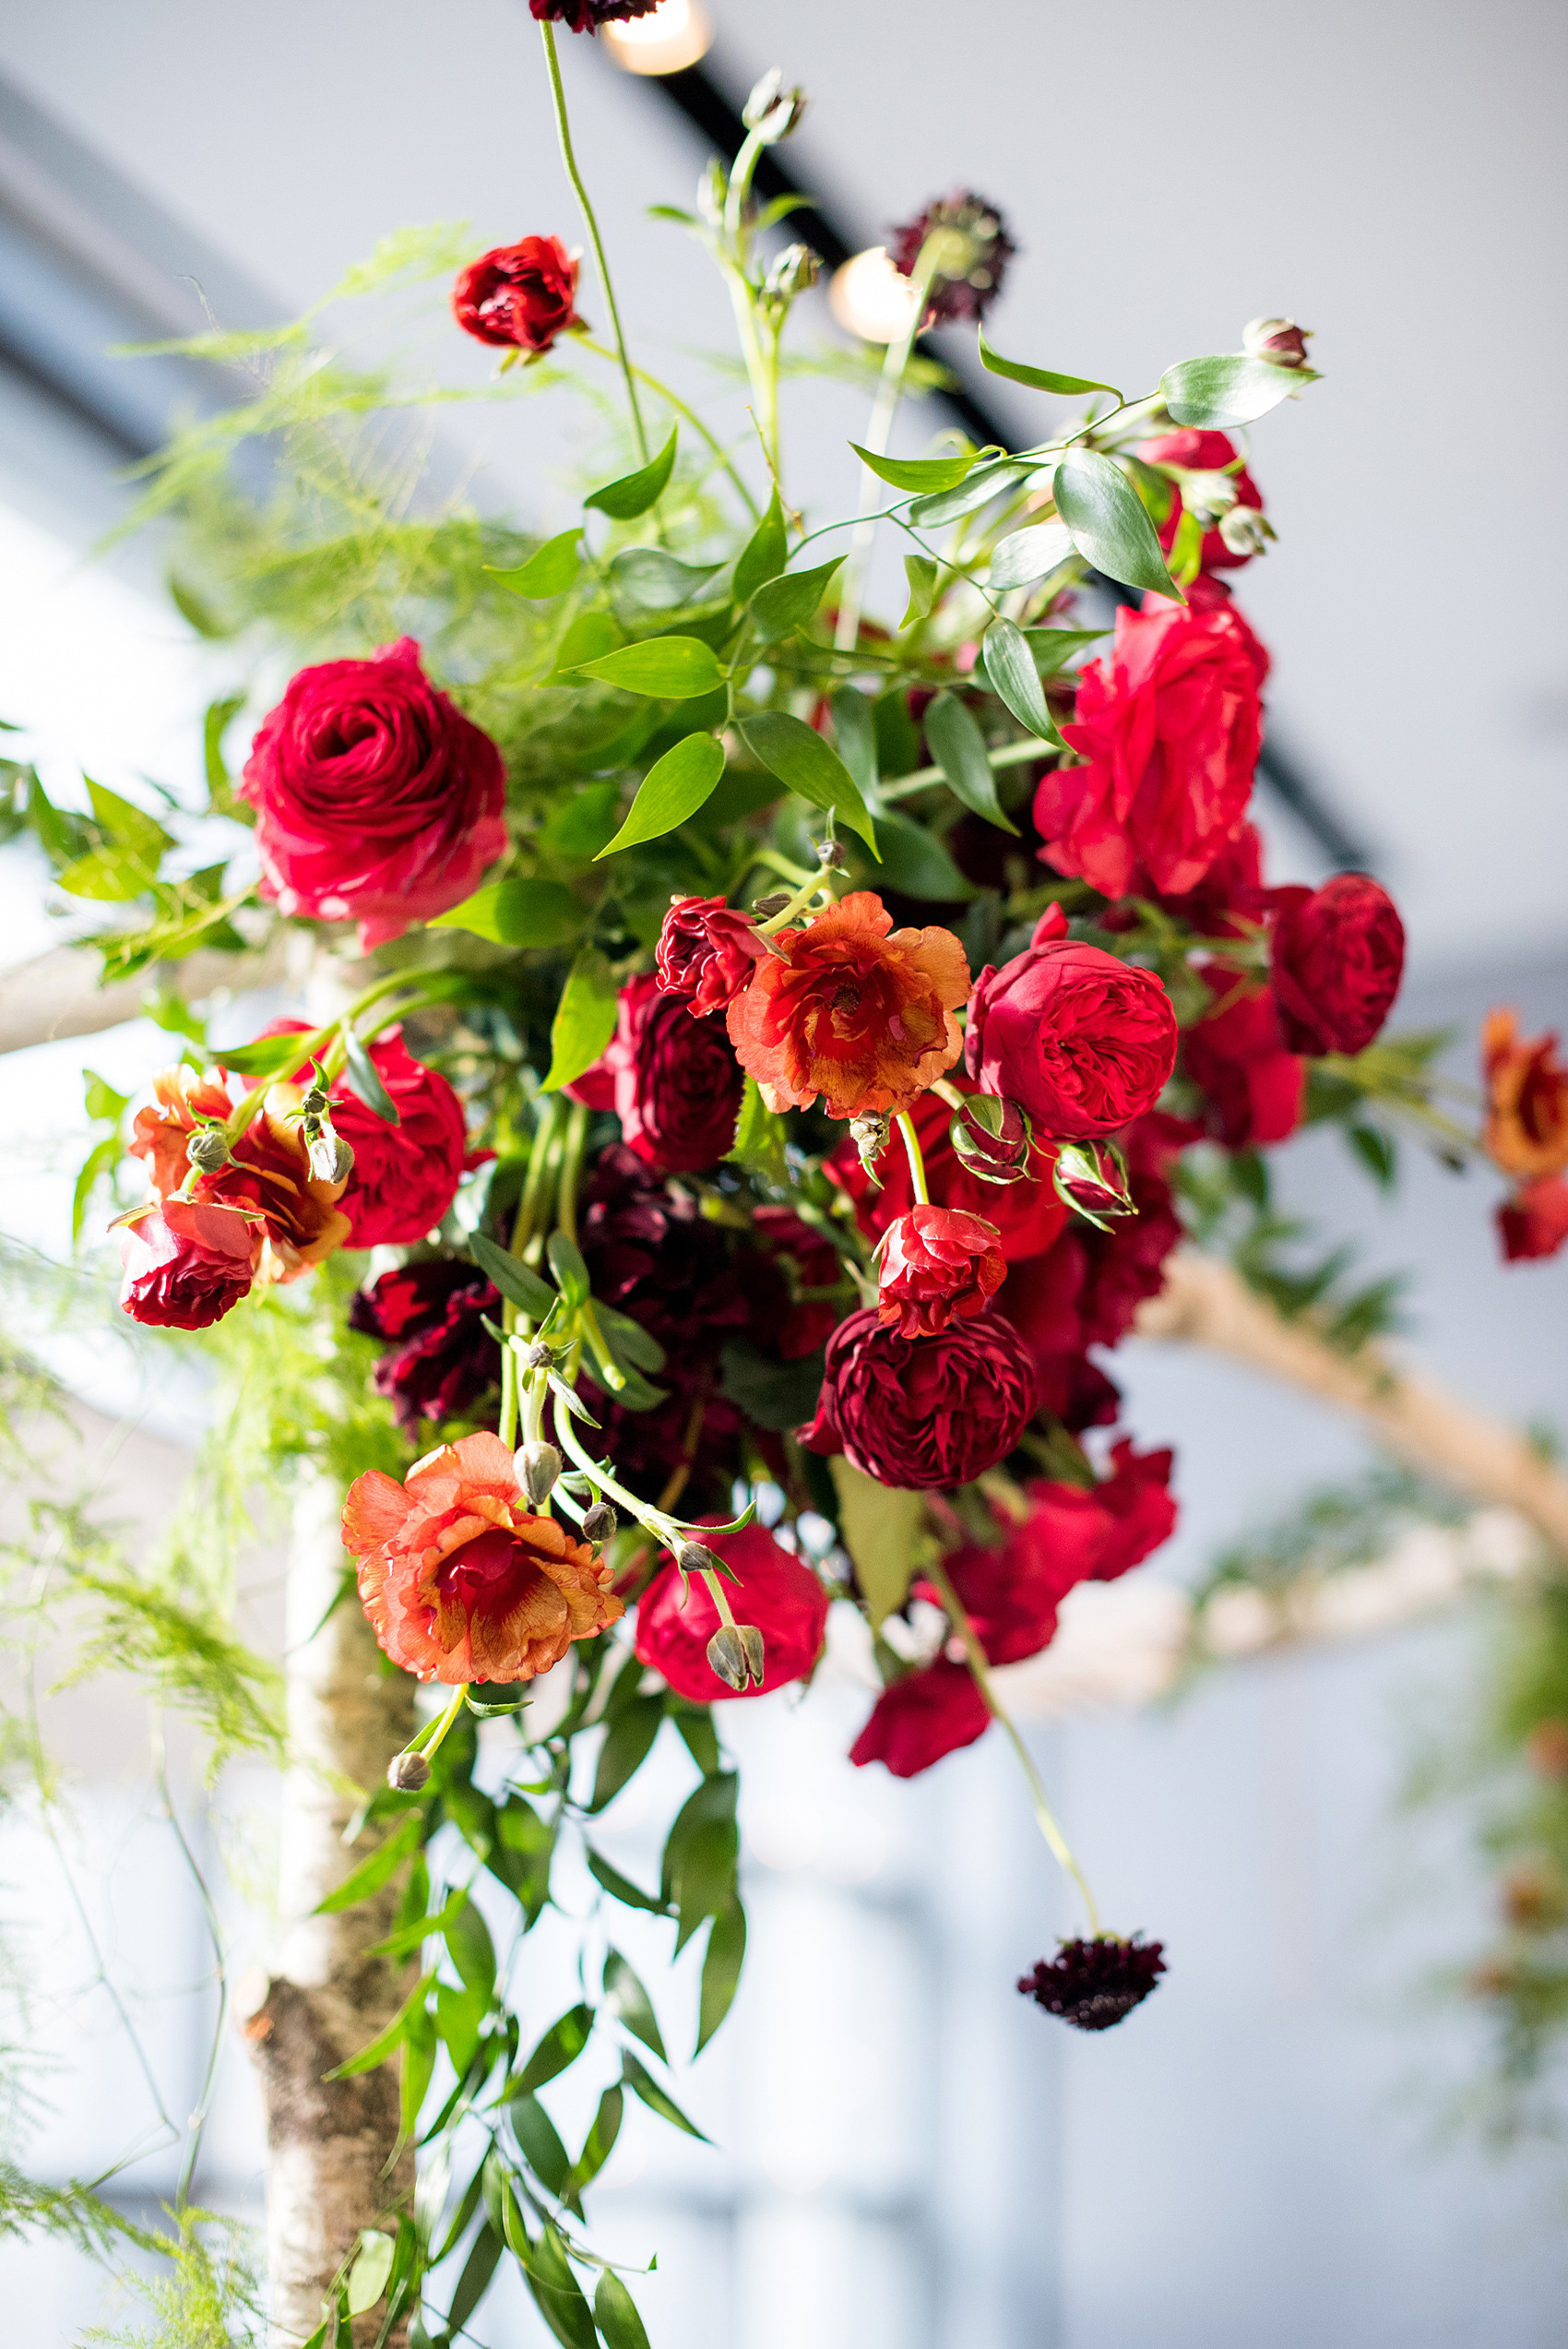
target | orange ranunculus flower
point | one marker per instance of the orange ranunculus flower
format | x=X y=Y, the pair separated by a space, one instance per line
x=460 y=1579
x=1526 y=1126
x=269 y=1171
x=852 y=1010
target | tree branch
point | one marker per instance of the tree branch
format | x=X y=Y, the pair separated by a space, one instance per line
x=57 y=994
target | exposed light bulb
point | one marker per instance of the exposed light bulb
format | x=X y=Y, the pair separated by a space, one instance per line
x=673 y=36
x=870 y=298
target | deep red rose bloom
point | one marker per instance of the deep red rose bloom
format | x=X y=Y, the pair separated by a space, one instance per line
x=440 y=1356
x=779 y=1594
x=520 y=294
x=1198 y=452
x=935 y=1265
x=847 y=1010
x=1082 y=1041
x=970 y=290
x=1230 y=902
x=460 y=1581
x=707 y=953
x=587 y=16
x=674 y=1082
x=921 y=1717
x=1169 y=726
x=1338 y=954
x=1028 y=1215
x=405 y=1176
x=1253 y=1087
x=376 y=800
x=1535 y=1220
x=186 y=1264
x=923 y=1414
x=1526 y=1086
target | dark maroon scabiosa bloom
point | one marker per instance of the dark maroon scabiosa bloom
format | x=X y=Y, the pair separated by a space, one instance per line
x=587 y=16
x=1095 y=1983
x=971 y=267
x=440 y=1357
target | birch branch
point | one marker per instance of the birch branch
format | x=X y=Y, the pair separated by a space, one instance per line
x=57 y=994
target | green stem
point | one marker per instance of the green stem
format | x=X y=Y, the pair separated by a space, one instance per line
x=535 y=1186
x=572 y=1154
x=430 y=1738
x=916 y=1162
x=786 y=914
x=889 y=391
x=691 y=416
x=959 y=1616
x=564 y=132
x=1012 y=754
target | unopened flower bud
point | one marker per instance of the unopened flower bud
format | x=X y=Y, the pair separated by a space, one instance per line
x=1092 y=1177
x=831 y=854
x=765 y=908
x=331 y=1158
x=407 y=1773
x=991 y=1139
x=599 y=1524
x=712 y=189
x=868 y=1133
x=207 y=1149
x=1245 y=531
x=691 y=1558
x=728 y=1657
x=537 y=1466
x=536 y=1356
x=771 y=110
x=756 y=1651
x=313 y=1103
x=1280 y=341
x=796 y=268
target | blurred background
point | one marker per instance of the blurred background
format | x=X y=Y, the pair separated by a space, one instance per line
x=907 y=2157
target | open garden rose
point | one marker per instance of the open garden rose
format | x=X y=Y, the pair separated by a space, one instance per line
x=1338 y=956
x=1169 y=729
x=376 y=800
x=460 y=1578
x=1253 y=1087
x=187 y=1263
x=522 y=294
x=673 y=1081
x=851 y=1010
x=440 y=1357
x=1533 y=1222
x=923 y=1412
x=1527 y=1119
x=921 y=1717
x=1203 y=452
x=1080 y=1040
x=1026 y=1215
x=706 y=952
x=935 y=1265
x=404 y=1176
x=776 y=1592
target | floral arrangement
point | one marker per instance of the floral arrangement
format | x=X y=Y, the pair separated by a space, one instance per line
x=757 y=1061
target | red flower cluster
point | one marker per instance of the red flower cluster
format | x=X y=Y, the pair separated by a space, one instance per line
x=521 y=295
x=1254 y=1088
x=923 y=1414
x=969 y=278
x=405 y=1176
x=776 y=1592
x=674 y=1082
x=1027 y=1214
x=1200 y=452
x=1083 y=1042
x=587 y=16
x=705 y=954
x=1527 y=1134
x=440 y=1358
x=934 y=1264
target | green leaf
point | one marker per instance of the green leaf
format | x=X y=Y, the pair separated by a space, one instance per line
x=1023 y=556
x=923 y=575
x=561 y=2045
x=855 y=728
x=1039 y=379
x=1110 y=523
x=774 y=1394
x=1010 y=665
x=642 y=2084
x=63 y=837
x=655 y=581
x=629 y=1342
x=700 y=1854
x=266 y=1058
x=521 y=912
x=786 y=603
x=580 y=826
x=628 y=1744
x=374 y=1872
x=514 y=1281
x=673 y=788
x=665 y=668
x=474 y=2281
x=926 y=474
x=1231 y=388
x=473 y=1952
x=373 y=2265
x=879 y=1525
x=387 y=2041
x=409 y=1937
x=764 y=553
x=630 y=2003
x=557 y=2294
x=194 y=610
x=803 y=763
x=599 y=2142
x=915 y=863
x=959 y=747
x=615 y=2313
x=459 y=2015
x=101 y=1160
x=620 y=1887
x=590 y=633
x=571 y=1273
x=540 y=2141
x=221 y=798
x=361 y=1072
x=585 y=1019
x=984 y=483
x=759 y=1137
x=625 y=499
x=1377 y=1151
x=550 y=569
x=1053 y=647
x=418 y=2065
x=721 y=1970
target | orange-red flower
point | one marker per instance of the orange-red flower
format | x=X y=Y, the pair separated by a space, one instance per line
x=269 y=1171
x=852 y=1010
x=1526 y=1126
x=460 y=1579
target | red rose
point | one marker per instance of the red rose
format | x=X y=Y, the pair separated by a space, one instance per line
x=777 y=1593
x=934 y=1264
x=587 y=16
x=1337 y=957
x=440 y=1356
x=376 y=800
x=1083 y=1042
x=921 y=1717
x=1197 y=452
x=405 y=1176
x=187 y=1263
x=518 y=294
x=1254 y=1088
x=1027 y=1214
x=707 y=953
x=923 y=1414
x=1535 y=1220
x=673 y=1081
x=1169 y=727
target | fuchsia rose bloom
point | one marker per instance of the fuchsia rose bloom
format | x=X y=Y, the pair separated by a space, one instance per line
x=707 y=953
x=1337 y=959
x=376 y=800
x=936 y=1263
x=1255 y=1088
x=522 y=294
x=1533 y=1222
x=405 y=1176
x=1170 y=728
x=778 y=1592
x=674 y=1082
x=923 y=1414
x=187 y=1263
x=1082 y=1041
x=1199 y=452
x=921 y=1717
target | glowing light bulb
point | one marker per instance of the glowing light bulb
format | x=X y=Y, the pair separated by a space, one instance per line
x=673 y=36
x=870 y=298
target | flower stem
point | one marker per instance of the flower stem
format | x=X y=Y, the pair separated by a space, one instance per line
x=691 y=416
x=535 y=1186
x=957 y=1615
x=802 y=897
x=572 y=1152
x=889 y=391
x=916 y=1162
x=429 y=1738
x=564 y=132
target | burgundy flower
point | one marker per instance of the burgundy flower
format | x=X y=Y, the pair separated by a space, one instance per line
x=1253 y=1086
x=1533 y=1222
x=440 y=1358
x=587 y=16
x=673 y=1081
x=187 y=1263
x=1083 y=1042
x=1095 y=1983
x=920 y=1718
x=934 y=1264
x=1337 y=958
x=521 y=295
x=1201 y=452
x=776 y=1592
x=706 y=953
x=969 y=277
x=923 y=1414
